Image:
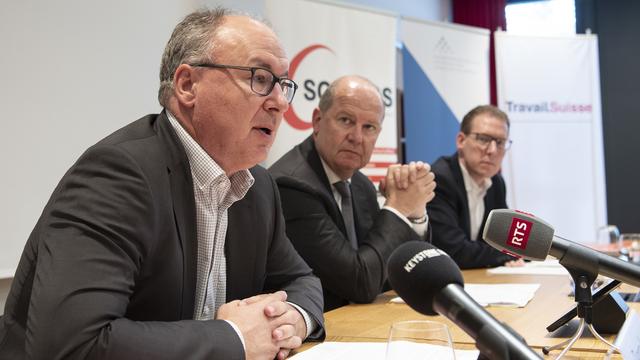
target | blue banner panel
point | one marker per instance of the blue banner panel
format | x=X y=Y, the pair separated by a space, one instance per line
x=430 y=127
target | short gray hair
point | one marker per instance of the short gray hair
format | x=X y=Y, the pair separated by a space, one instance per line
x=190 y=42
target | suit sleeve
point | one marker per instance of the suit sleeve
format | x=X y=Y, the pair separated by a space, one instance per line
x=287 y=270
x=444 y=216
x=357 y=275
x=94 y=236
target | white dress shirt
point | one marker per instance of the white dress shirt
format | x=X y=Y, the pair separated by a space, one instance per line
x=214 y=193
x=475 y=197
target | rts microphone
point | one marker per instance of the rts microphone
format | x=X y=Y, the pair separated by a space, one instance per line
x=430 y=282
x=521 y=234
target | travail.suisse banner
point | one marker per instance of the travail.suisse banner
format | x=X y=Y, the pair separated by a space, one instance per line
x=550 y=88
x=325 y=41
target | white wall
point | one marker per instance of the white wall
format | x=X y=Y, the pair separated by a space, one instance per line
x=72 y=72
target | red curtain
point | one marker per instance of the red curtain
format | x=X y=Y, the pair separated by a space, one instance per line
x=488 y=14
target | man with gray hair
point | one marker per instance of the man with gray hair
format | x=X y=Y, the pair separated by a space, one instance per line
x=165 y=240
x=331 y=208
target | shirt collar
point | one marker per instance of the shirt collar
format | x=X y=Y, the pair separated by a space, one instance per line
x=331 y=175
x=470 y=184
x=203 y=168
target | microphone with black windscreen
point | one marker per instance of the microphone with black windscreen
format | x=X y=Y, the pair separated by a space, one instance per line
x=524 y=235
x=429 y=281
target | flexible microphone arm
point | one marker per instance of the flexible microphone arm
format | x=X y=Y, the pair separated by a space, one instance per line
x=607 y=265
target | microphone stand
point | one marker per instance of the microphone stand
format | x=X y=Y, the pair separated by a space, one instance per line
x=583 y=267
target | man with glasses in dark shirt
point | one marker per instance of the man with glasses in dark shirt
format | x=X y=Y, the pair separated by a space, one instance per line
x=469 y=187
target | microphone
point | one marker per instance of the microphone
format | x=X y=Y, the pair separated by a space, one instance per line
x=430 y=282
x=524 y=235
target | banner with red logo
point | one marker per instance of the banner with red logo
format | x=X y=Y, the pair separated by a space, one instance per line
x=325 y=41
x=550 y=88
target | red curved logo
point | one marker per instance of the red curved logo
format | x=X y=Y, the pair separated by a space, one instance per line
x=290 y=115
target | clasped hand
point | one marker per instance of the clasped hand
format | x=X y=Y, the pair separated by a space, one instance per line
x=409 y=187
x=271 y=327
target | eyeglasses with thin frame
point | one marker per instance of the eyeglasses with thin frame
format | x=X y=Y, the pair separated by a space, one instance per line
x=485 y=140
x=262 y=80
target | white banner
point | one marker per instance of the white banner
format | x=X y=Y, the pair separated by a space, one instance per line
x=446 y=74
x=325 y=41
x=550 y=88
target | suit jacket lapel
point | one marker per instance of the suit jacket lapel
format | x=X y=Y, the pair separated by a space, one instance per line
x=184 y=209
x=242 y=244
x=491 y=201
x=321 y=181
x=361 y=205
x=308 y=150
x=488 y=206
x=462 y=193
x=362 y=216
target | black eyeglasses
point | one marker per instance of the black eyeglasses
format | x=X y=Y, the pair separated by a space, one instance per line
x=262 y=80
x=485 y=141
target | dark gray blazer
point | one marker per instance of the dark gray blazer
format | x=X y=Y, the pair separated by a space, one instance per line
x=110 y=269
x=450 y=219
x=317 y=230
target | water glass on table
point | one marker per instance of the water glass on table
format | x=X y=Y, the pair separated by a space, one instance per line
x=419 y=339
x=631 y=242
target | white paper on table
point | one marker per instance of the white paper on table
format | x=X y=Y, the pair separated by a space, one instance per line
x=497 y=294
x=547 y=267
x=370 y=351
x=502 y=294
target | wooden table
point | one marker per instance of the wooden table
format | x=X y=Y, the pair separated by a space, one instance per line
x=371 y=322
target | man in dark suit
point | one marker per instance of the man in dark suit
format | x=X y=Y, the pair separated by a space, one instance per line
x=469 y=187
x=343 y=235
x=164 y=240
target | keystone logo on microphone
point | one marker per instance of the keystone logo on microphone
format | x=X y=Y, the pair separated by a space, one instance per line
x=519 y=233
x=424 y=254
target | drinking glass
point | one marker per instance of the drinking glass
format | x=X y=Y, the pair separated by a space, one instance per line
x=631 y=242
x=419 y=339
x=608 y=234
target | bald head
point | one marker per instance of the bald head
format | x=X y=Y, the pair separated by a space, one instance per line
x=242 y=35
x=347 y=123
x=346 y=86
